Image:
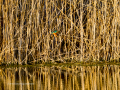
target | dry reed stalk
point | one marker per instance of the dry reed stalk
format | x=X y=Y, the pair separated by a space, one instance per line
x=94 y=28
x=74 y=32
x=87 y=33
x=71 y=27
x=81 y=30
x=1 y=30
x=59 y=37
x=11 y=35
x=38 y=28
x=1 y=21
x=115 y=27
x=47 y=42
x=5 y=31
x=65 y=29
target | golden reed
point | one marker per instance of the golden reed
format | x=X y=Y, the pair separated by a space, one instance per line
x=88 y=30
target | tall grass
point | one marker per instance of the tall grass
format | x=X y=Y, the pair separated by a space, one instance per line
x=89 y=30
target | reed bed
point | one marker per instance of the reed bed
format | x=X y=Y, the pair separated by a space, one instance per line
x=88 y=30
x=61 y=78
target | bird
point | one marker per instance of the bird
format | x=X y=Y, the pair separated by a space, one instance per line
x=55 y=33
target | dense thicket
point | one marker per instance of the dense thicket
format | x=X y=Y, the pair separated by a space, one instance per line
x=88 y=30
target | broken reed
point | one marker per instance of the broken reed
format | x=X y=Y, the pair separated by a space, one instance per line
x=89 y=30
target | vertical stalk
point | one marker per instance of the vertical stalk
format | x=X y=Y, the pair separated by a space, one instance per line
x=115 y=28
x=20 y=34
x=65 y=29
x=81 y=30
x=93 y=28
x=47 y=41
x=11 y=34
x=1 y=26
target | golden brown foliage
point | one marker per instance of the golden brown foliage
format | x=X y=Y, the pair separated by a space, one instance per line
x=89 y=30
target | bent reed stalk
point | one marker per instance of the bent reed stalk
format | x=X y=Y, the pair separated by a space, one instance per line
x=88 y=30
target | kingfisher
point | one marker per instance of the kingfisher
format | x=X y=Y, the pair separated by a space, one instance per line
x=55 y=33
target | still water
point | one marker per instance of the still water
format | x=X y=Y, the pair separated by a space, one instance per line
x=60 y=77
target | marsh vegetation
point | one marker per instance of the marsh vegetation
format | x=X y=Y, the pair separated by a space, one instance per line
x=88 y=30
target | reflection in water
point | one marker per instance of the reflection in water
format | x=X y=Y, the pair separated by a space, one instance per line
x=70 y=77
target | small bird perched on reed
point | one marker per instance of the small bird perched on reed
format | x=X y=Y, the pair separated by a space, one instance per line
x=55 y=33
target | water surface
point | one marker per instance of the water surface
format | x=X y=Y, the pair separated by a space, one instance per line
x=60 y=77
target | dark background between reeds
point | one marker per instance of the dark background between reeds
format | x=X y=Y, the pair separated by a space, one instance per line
x=89 y=30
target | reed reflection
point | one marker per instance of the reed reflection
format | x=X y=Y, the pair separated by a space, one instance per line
x=68 y=77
